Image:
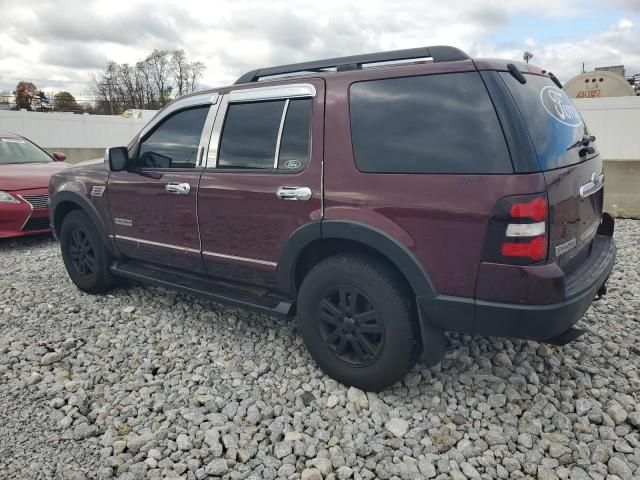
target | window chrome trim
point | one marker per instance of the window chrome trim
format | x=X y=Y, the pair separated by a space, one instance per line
x=297 y=90
x=206 y=134
x=240 y=259
x=216 y=132
x=180 y=104
x=276 y=156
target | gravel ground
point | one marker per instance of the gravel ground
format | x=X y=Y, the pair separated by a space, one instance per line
x=149 y=383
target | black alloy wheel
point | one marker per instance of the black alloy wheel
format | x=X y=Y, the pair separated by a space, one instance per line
x=351 y=326
x=85 y=257
x=81 y=252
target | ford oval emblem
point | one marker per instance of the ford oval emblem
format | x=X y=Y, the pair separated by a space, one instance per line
x=558 y=105
x=292 y=164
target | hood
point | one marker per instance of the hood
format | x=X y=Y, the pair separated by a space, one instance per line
x=93 y=161
x=24 y=176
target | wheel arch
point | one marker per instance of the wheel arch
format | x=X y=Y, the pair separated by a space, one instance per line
x=315 y=241
x=65 y=202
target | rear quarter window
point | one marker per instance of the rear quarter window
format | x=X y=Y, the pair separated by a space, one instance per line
x=427 y=124
x=554 y=123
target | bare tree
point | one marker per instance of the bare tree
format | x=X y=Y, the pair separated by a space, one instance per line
x=148 y=84
x=180 y=70
x=160 y=70
x=196 y=69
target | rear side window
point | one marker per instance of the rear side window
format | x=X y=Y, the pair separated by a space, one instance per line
x=553 y=121
x=428 y=124
x=294 y=147
x=250 y=134
x=266 y=135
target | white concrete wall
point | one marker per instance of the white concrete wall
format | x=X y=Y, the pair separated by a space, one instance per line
x=66 y=130
x=615 y=121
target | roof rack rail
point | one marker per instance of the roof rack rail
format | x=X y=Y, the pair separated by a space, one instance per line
x=439 y=53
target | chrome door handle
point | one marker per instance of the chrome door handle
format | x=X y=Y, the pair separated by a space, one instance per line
x=592 y=186
x=178 y=188
x=294 y=193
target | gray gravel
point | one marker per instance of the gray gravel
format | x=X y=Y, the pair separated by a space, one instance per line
x=149 y=383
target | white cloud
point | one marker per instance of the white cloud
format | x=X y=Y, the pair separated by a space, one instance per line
x=624 y=23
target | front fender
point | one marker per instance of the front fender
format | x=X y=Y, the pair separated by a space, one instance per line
x=61 y=203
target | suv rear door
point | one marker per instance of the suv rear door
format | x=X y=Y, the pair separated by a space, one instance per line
x=263 y=178
x=572 y=170
x=153 y=202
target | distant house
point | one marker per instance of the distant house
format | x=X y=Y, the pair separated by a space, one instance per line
x=7 y=100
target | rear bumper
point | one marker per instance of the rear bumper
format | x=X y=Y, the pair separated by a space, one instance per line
x=542 y=322
x=528 y=321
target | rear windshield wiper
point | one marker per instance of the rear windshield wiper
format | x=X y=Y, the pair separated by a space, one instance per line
x=555 y=80
x=583 y=142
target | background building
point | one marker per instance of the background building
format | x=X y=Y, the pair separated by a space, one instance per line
x=602 y=82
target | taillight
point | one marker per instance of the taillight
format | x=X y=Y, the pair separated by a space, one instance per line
x=518 y=230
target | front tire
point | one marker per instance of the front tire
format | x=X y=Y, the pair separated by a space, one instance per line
x=85 y=257
x=357 y=321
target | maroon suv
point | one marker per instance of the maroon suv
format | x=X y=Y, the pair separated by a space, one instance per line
x=383 y=199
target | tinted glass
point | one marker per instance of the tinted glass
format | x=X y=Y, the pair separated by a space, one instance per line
x=294 y=146
x=19 y=150
x=428 y=124
x=553 y=121
x=250 y=134
x=174 y=144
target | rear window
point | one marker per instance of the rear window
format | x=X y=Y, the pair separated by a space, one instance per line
x=553 y=121
x=428 y=124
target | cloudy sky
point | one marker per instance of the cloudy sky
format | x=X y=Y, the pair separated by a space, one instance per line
x=59 y=44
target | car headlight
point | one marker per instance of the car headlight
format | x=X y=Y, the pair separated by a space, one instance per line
x=7 y=198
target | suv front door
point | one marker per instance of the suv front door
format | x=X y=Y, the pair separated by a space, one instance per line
x=263 y=179
x=153 y=202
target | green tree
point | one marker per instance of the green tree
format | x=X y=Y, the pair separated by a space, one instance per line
x=41 y=102
x=65 y=102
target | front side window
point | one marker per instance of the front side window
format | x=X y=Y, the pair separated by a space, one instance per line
x=268 y=135
x=174 y=144
x=427 y=124
x=20 y=150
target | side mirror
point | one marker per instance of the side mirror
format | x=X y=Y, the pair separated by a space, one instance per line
x=59 y=157
x=116 y=158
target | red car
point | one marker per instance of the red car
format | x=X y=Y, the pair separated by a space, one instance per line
x=25 y=170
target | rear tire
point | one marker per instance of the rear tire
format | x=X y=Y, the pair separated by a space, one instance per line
x=85 y=257
x=357 y=321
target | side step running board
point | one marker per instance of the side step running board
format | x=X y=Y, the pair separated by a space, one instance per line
x=202 y=286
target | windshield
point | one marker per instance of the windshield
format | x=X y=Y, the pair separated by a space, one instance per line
x=19 y=150
x=554 y=123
